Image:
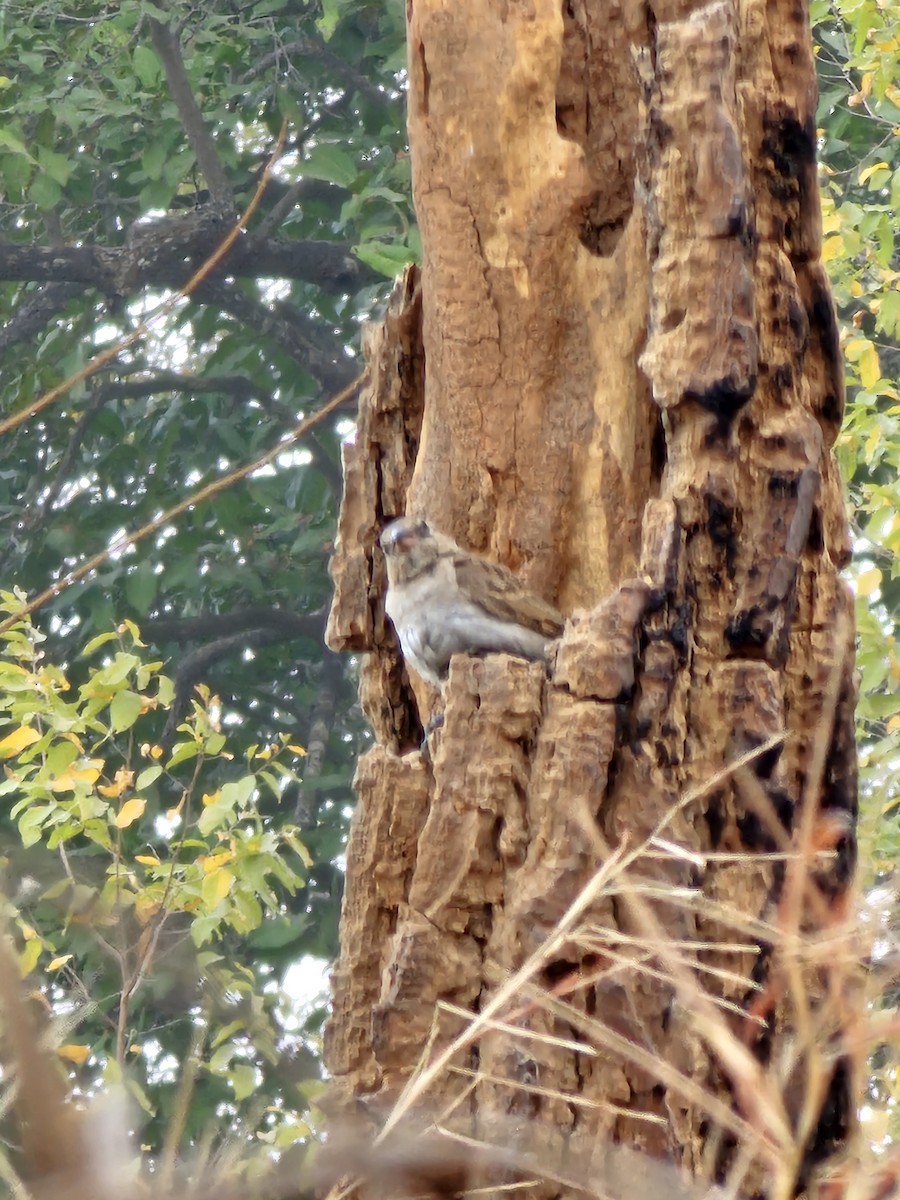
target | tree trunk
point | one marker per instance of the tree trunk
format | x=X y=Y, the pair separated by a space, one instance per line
x=620 y=375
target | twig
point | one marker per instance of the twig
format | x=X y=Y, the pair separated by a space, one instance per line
x=166 y=44
x=204 y=493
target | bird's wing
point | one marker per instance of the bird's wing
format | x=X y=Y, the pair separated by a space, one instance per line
x=495 y=589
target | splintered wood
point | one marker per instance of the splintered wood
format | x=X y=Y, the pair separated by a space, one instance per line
x=623 y=380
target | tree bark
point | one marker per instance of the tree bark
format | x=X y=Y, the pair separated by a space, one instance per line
x=622 y=378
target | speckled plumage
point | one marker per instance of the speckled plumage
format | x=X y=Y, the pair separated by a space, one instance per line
x=443 y=601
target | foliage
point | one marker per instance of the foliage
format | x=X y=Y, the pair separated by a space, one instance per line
x=131 y=136
x=859 y=116
x=168 y=864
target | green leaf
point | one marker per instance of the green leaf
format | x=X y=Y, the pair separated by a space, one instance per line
x=12 y=141
x=147 y=66
x=331 y=163
x=143 y=1100
x=147 y=776
x=57 y=166
x=165 y=690
x=125 y=710
x=45 y=192
x=140 y=588
x=388 y=259
x=182 y=752
x=243 y=1080
x=238 y=793
x=96 y=642
x=331 y=14
x=154 y=159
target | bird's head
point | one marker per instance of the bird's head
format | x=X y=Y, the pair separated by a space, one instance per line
x=411 y=546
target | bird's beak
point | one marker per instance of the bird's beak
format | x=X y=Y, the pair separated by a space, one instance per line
x=399 y=538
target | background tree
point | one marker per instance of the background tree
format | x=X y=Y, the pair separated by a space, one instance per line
x=131 y=137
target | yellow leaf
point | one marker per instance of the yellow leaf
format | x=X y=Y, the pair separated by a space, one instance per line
x=28 y=958
x=210 y=797
x=123 y=781
x=147 y=859
x=28 y=931
x=69 y=780
x=145 y=908
x=59 y=961
x=74 y=1053
x=867 y=172
x=893 y=725
x=868 y=581
x=873 y=441
x=297 y=749
x=217 y=886
x=213 y=861
x=856 y=288
x=869 y=367
x=832 y=247
x=19 y=740
x=130 y=627
x=130 y=811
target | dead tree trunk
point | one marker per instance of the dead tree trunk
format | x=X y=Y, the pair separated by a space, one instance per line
x=619 y=375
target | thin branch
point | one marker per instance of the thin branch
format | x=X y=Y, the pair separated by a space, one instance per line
x=280 y=211
x=204 y=493
x=94 y=404
x=102 y=359
x=295 y=333
x=337 y=67
x=33 y=314
x=166 y=44
x=286 y=624
x=194 y=667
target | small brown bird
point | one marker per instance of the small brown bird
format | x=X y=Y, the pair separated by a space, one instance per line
x=445 y=601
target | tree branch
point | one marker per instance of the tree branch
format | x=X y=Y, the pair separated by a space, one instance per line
x=94 y=404
x=239 y=387
x=280 y=622
x=35 y=311
x=164 y=253
x=337 y=67
x=166 y=45
x=194 y=666
x=289 y=329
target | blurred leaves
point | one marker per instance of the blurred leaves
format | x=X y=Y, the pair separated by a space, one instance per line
x=159 y=807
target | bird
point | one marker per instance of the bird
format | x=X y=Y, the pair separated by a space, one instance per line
x=443 y=600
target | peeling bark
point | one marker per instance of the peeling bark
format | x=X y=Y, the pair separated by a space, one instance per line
x=632 y=387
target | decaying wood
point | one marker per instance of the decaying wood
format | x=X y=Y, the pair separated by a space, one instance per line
x=631 y=387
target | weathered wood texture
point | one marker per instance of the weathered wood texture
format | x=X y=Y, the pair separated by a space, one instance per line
x=631 y=386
